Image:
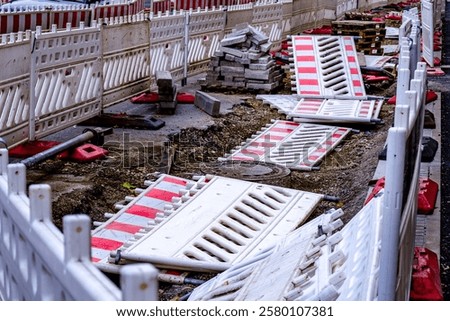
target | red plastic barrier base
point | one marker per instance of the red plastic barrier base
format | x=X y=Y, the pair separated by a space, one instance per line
x=379 y=185
x=325 y=30
x=431 y=96
x=375 y=79
x=86 y=153
x=31 y=148
x=145 y=98
x=427 y=196
x=185 y=98
x=436 y=61
x=426 y=280
x=435 y=72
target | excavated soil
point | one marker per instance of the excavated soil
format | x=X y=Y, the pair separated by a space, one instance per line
x=95 y=188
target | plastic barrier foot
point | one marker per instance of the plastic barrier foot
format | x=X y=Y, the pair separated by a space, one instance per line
x=87 y=153
x=426 y=280
x=145 y=98
x=427 y=196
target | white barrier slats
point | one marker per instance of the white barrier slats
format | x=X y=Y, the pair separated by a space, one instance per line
x=326 y=67
x=294 y=145
x=270 y=274
x=312 y=263
x=428 y=31
x=66 y=81
x=223 y=222
x=284 y=103
x=149 y=207
x=14 y=89
x=321 y=110
x=334 y=110
x=126 y=60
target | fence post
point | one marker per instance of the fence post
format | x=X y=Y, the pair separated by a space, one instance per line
x=392 y=208
x=186 y=49
x=77 y=238
x=139 y=282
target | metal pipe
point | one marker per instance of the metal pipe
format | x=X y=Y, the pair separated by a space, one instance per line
x=87 y=135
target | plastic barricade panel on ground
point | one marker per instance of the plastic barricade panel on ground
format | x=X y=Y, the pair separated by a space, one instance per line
x=222 y=222
x=150 y=207
x=314 y=262
x=299 y=146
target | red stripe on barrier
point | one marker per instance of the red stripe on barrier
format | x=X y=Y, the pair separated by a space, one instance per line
x=16 y=22
x=305 y=58
x=128 y=228
x=306 y=38
x=105 y=244
x=143 y=211
x=348 y=47
x=356 y=83
x=269 y=137
x=351 y=59
x=307 y=70
x=309 y=92
x=95 y=259
x=175 y=180
x=161 y=194
x=252 y=151
x=308 y=82
x=3 y=24
x=304 y=47
x=358 y=94
x=281 y=130
x=262 y=144
x=28 y=22
x=354 y=71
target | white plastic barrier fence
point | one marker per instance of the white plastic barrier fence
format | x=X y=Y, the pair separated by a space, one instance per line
x=325 y=110
x=38 y=262
x=298 y=146
x=150 y=207
x=65 y=80
x=400 y=207
x=221 y=222
x=428 y=24
x=126 y=58
x=316 y=262
x=326 y=67
x=15 y=86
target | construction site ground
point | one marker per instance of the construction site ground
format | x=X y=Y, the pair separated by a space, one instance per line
x=190 y=144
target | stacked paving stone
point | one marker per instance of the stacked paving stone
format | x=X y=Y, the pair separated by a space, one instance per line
x=243 y=61
x=167 y=92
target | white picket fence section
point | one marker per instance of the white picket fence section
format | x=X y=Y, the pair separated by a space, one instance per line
x=38 y=262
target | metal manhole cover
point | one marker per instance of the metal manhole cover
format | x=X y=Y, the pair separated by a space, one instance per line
x=250 y=171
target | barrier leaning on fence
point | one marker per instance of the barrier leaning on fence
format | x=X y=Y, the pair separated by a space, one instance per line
x=38 y=262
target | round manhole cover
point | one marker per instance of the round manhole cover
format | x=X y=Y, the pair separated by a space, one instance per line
x=250 y=171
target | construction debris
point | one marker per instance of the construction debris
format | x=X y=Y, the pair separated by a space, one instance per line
x=369 y=35
x=167 y=92
x=243 y=60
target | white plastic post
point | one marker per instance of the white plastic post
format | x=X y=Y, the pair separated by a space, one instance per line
x=16 y=179
x=77 y=238
x=40 y=203
x=390 y=226
x=139 y=282
x=4 y=160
